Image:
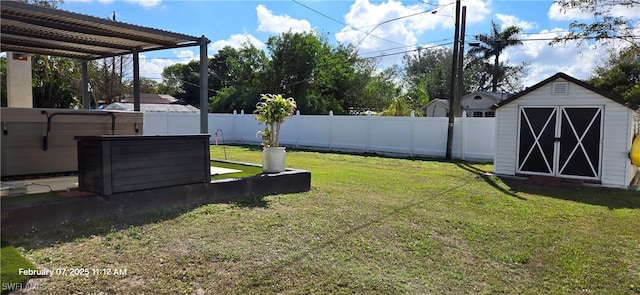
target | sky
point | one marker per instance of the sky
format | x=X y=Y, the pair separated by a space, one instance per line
x=384 y=29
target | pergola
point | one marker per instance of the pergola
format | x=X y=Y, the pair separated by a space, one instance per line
x=34 y=29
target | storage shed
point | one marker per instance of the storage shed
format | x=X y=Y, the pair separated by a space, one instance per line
x=563 y=127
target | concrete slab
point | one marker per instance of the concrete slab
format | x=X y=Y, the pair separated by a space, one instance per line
x=42 y=185
x=64 y=183
x=220 y=170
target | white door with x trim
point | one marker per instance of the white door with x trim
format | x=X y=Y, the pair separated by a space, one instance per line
x=560 y=141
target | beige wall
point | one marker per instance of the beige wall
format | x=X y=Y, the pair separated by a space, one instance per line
x=19 y=89
x=23 y=130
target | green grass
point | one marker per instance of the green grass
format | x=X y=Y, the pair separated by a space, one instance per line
x=369 y=225
x=246 y=170
x=10 y=262
x=32 y=198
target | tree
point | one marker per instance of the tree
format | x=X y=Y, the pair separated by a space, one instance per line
x=294 y=57
x=105 y=79
x=381 y=90
x=491 y=46
x=478 y=76
x=603 y=27
x=184 y=81
x=239 y=77
x=620 y=75
x=430 y=69
x=321 y=76
x=56 y=82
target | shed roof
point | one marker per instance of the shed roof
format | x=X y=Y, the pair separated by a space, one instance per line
x=573 y=80
x=442 y=101
x=40 y=30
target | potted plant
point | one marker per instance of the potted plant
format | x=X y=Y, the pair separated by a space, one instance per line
x=272 y=110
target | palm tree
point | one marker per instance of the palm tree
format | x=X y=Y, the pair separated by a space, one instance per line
x=492 y=46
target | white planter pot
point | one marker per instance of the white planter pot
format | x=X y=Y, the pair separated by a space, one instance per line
x=273 y=159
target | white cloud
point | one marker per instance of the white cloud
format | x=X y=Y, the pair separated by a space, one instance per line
x=146 y=3
x=510 y=20
x=558 y=13
x=152 y=67
x=546 y=60
x=268 y=22
x=236 y=41
x=386 y=26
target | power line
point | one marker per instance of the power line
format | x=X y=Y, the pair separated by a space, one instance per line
x=374 y=26
x=342 y=23
x=395 y=19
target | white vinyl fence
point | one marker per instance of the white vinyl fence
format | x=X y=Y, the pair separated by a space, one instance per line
x=474 y=138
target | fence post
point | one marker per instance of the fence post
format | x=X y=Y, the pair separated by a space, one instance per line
x=411 y=129
x=368 y=143
x=463 y=134
x=330 y=130
x=297 y=127
x=168 y=118
x=241 y=126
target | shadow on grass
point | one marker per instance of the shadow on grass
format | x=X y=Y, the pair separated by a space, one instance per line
x=489 y=179
x=597 y=196
x=610 y=198
x=78 y=230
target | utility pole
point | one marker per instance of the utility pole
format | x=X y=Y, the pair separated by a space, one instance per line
x=461 y=92
x=454 y=80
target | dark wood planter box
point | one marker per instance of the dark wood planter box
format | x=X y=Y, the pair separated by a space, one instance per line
x=112 y=164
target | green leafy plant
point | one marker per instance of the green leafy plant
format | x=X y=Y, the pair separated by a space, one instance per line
x=272 y=110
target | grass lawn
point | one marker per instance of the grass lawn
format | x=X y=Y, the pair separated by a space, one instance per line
x=10 y=263
x=369 y=225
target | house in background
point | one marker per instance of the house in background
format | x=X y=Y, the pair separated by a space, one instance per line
x=152 y=98
x=150 y=102
x=474 y=104
x=480 y=103
x=438 y=107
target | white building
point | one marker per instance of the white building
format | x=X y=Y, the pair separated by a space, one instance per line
x=565 y=128
x=437 y=108
x=474 y=104
x=480 y=103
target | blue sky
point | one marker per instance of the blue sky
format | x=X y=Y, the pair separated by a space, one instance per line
x=235 y=22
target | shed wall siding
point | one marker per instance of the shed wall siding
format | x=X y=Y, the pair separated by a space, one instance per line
x=617 y=131
x=436 y=110
x=506 y=140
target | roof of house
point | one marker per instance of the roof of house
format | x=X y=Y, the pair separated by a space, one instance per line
x=41 y=30
x=152 y=98
x=442 y=101
x=573 y=80
x=152 y=107
x=498 y=96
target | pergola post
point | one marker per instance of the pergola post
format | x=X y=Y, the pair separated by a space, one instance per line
x=136 y=81
x=204 y=86
x=86 y=100
x=19 y=88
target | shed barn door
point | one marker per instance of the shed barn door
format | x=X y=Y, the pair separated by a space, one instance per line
x=580 y=137
x=536 y=140
x=560 y=141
